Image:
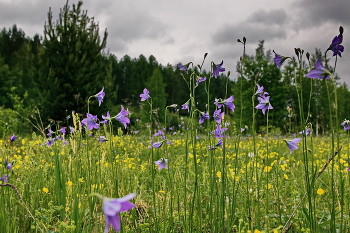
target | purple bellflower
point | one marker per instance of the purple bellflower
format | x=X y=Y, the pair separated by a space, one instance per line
x=9 y=166
x=264 y=104
x=218 y=144
x=260 y=90
x=157 y=144
x=217 y=69
x=219 y=132
x=63 y=130
x=162 y=163
x=218 y=115
x=184 y=68
x=59 y=138
x=203 y=116
x=106 y=118
x=99 y=96
x=13 y=138
x=4 y=178
x=50 y=142
x=227 y=102
x=186 y=106
x=159 y=133
x=90 y=122
x=278 y=59
x=113 y=206
x=102 y=139
x=292 y=144
x=307 y=131
x=145 y=95
x=199 y=80
x=50 y=132
x=71 y=129
x=346 y=124
x=336 y=46
x=121 y=117
x=320 y=72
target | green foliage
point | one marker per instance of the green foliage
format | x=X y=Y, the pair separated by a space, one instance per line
x=72 y=66
x=259 y=69
x=10 y=123
x=156 y=87
x=7 y=81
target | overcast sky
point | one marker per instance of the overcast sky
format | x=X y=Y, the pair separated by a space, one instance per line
x=183 y=30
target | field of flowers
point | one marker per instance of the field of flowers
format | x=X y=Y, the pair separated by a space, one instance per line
x=204 y=175
x=236 y=188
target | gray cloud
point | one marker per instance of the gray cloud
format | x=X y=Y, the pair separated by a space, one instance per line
x=313 y=13
x=21 y=12
x=253 y=32
x=30 y=15
x=131 y=24
x=260 y=25
x=277 y=17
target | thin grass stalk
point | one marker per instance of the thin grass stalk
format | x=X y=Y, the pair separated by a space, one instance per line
x=154 y=212
x=237 y=147
x=194 y=153
x=336 y=129
x=266 y=165
x=256 y=206
x=332 y=221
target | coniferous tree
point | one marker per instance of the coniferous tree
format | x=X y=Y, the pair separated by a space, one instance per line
x=73 y=66
x=156 y=87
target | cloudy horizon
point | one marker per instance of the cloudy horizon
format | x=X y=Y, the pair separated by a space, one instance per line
x=183 y=31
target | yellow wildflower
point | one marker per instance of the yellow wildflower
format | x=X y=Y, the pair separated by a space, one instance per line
x=267 y=168
x=343 y=161
x=283 y=167
x=45 y=190
x=320 y=191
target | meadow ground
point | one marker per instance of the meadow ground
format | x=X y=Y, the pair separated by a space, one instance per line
x=249 y=184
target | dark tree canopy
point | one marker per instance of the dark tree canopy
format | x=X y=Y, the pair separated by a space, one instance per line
x=73 y=66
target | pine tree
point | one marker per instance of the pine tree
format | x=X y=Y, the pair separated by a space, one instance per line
x=156 y=87
x=73 y=66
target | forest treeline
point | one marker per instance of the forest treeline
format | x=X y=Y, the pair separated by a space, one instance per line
x=45 y=78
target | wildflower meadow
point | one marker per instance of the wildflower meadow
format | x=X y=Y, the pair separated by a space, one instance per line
x=220 y=166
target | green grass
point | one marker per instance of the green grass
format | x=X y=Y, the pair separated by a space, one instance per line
x=230 y=189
